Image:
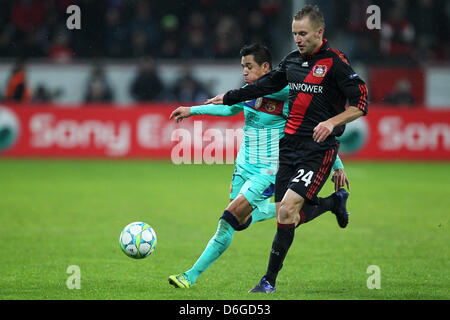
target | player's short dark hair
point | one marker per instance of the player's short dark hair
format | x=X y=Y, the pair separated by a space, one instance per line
x=314 y=14
x=260 y=53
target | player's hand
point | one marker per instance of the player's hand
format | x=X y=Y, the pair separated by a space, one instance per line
x=180 y=113
x=339 y=177
x=216 y=100
x=322 y=131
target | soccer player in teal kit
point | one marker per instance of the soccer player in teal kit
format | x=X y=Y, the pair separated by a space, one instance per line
x=256 y=163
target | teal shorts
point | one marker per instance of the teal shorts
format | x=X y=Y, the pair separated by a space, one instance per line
x=256 y=188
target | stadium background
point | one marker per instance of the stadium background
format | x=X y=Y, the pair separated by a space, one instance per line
x=105 y=92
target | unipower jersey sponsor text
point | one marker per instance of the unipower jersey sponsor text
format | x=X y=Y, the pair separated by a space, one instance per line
x=305 y=87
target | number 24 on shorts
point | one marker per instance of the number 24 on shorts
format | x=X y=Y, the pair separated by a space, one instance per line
x=304 y=177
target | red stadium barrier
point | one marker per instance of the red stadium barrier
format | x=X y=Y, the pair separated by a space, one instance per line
x=146 y=132
x=101 y=131
x=398 y=134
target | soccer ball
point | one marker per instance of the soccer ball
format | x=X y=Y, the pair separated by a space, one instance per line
x=137 y=240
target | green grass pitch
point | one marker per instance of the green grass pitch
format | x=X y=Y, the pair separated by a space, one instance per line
x=58 y=213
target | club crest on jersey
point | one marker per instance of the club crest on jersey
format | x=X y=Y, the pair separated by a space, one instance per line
x=320 y=70
x=254 y=103
x=266 y=105
x=270 y=106
x=258 y=103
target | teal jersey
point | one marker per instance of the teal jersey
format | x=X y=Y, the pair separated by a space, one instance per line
x=265 y=119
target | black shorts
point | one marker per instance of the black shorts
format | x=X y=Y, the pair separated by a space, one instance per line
x=304 y=166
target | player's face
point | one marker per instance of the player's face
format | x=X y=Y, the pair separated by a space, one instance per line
x=251 y=70
x=306 y=36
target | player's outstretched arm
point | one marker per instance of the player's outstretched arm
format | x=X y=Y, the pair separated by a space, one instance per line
x=216 y=100
x=180 y=113
x=213 y=110
x=269 y=83
x=325 y=128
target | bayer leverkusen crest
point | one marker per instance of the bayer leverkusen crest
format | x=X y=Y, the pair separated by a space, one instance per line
x=320 y=70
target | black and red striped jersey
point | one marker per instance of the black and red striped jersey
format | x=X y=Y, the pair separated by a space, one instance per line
x=320 y=85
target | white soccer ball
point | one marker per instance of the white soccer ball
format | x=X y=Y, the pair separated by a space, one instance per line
x=138 y=240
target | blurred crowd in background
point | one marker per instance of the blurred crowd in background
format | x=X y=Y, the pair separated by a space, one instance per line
x=413 y=33
x=206 y=29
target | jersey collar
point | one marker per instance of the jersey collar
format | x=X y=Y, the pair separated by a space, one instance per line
x=323 y=47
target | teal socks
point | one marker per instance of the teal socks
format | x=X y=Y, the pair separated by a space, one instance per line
x=216 y=246
x=220 y=242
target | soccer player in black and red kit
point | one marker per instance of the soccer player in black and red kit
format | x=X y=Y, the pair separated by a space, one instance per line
x=321 y=81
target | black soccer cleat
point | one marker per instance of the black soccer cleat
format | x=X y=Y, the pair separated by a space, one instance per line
x=341 y=211
x=263 y=287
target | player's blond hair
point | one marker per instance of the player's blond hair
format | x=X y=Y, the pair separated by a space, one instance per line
x=314 y=14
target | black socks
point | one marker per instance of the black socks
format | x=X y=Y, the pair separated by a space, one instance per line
x=285 y=234
x=310 y=211
x=280 y=246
